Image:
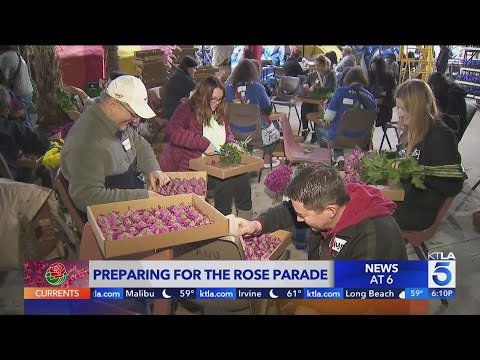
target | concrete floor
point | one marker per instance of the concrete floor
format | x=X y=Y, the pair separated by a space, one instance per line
x=456 y=234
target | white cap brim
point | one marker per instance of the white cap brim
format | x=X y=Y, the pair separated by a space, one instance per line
x=144 y=111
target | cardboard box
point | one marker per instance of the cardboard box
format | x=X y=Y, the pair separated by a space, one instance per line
x=223 y=171
x=149 y=55
x=476 y=219
x=228 y=248
x=286 y=240
x=113 y=248
x=189 y=175
x=393 y=192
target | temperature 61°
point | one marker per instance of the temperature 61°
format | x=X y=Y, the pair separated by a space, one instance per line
x=294 y=293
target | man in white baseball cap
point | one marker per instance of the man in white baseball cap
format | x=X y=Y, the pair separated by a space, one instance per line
x=131 y=93
x=105 y=160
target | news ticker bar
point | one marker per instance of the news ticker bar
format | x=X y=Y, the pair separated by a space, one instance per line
x=238 y=293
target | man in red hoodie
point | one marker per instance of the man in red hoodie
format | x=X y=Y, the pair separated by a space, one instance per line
x=350 y=222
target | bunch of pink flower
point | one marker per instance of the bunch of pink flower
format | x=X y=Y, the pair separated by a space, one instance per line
x=278 y=179
x=261 y=247
x=353 y=167
x=184 y=186
x=151 y=221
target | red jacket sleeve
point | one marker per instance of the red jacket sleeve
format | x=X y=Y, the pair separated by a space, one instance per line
x=181 y=131
x=229 y=138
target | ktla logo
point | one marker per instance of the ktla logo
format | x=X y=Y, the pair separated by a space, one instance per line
x=441 y=270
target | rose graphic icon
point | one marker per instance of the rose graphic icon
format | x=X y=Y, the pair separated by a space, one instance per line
x=56 y=274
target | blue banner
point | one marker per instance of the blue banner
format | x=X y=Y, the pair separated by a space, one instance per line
x=381 y=274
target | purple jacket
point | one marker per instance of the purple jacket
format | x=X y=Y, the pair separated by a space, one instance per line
x=185 y=139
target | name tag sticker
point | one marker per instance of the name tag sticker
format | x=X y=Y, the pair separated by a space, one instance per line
x=348 y=101
x=242 y=88
x=384 y=93
x=126 y=144
x=338 y=244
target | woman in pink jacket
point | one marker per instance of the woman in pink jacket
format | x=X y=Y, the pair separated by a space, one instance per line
x=198 y=127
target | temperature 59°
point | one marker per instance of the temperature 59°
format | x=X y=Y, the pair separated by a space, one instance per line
x=186 y=293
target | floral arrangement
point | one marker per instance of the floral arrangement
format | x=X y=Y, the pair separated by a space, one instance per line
x=229 y=154
x=184 y=186
x=353 y=167
x=51 y=159
x=151 y=221
x=261 y=247
x=277 y=180
x=387 y=167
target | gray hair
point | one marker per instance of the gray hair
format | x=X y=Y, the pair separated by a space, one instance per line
x=348 y=49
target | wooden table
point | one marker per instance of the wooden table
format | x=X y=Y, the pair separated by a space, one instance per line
x=89 y=250
x=308 y=100
x=313 y=117
x=274 y=116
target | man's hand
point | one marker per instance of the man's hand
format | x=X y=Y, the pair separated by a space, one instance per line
x=152 y=194
x=72 y=90
x=245 y=227
x=158 y=179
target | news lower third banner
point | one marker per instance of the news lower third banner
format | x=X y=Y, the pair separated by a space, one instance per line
x=230 y=280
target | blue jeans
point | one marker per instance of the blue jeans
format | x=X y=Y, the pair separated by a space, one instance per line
x=27 y=101
x=322 y=135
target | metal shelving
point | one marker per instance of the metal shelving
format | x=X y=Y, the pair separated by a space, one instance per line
x=470 y=54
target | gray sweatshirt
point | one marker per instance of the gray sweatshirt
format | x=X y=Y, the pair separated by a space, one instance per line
x=92 y=151
x=8 y=64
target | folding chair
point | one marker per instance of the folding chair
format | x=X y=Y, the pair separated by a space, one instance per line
x=389 y=125
x=355 y=130
x=244 y=121
x=417 y=238
x=288 y=88
x=62 y=186
x=296 y=153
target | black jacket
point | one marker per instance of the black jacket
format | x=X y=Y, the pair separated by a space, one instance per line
x=360 y=234
x=420 y=207
x=178 y=86
x=15 y=136
x=442 y=60
x=456 y=105
x=383 y=88
x=292 y=68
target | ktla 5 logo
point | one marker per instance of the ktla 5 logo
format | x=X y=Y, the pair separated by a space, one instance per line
x=441 y=274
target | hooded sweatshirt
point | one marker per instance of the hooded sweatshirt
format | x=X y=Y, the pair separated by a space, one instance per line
x=365 y=231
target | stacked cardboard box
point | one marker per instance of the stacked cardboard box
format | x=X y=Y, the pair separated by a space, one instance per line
x=204 y=71
x=181 y=51
x=152 y=67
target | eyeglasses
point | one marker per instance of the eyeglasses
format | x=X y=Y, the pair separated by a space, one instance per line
x=215 y=100
x=131 y=113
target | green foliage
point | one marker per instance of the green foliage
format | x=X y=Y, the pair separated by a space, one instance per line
x=229 y=154
x=320 y=95
x=64 y=100
x=381 y=168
